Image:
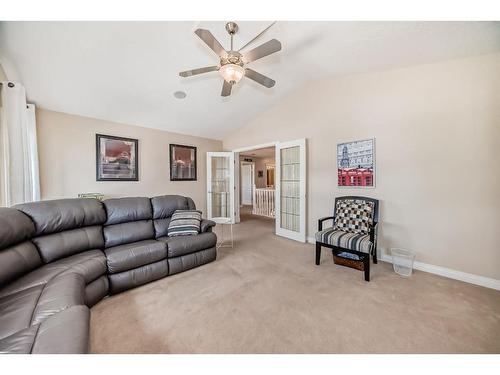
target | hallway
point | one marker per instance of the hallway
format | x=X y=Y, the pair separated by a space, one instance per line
x=247 y=216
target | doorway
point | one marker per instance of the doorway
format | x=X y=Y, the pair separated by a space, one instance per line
x=278 y=191
x=256 y=199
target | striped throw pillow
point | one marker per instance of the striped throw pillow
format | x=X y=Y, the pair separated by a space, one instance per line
x=184 y=223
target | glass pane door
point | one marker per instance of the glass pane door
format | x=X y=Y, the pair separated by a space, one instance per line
x=290 y=188
x=291 y=172
x=220 y=186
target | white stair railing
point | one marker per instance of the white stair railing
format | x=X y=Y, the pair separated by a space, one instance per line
x=263 y=202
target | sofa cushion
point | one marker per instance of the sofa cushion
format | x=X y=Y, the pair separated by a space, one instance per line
x=17 y=255
x=164 y=206
x=181 y=245
x=19 y=342
x=161 y=227
x=133 y=255
x=96 y=290
x=64 y=333
x=58 y=245
x=18 y=260
x=90 y=264
x=188 y=261
x=346 y=240
x=63 y=214
x=184 y=223
x=124 y=210
x=118 y=282
x=15 y=227
x=354 y=215
x=31 y=306
x=124 y=233
x=17 y=309
x=58 y=294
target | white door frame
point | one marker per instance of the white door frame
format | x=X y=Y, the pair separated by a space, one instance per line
x=298 y=236
x=236 y=152
x=229 y=155
x=256 y=147
x=301 y=235
x=242 y=163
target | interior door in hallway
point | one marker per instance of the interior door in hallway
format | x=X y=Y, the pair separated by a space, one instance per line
x=220 y=185
x=291 y=190
x=246 y=183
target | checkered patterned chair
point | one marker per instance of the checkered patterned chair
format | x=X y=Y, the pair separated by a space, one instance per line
x=354 y=230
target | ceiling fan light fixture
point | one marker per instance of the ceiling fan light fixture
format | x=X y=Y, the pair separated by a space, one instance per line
x=232 y=73
x=232 y=63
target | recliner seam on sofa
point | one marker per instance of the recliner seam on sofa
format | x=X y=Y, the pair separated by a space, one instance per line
x=36 y=304
x=59 y=273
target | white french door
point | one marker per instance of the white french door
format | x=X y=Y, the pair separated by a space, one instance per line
x=291 y=190
x=247 y=183
x=220 y=185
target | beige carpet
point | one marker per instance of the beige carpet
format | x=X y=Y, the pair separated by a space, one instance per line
x=267 y=296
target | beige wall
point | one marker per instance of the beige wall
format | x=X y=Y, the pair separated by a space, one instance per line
x=66 y=148
x=437 y=130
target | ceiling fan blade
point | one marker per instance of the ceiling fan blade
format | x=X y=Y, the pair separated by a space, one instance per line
x=193 y=72
x=259 y=78
x=258 y=35
x=210 y=41
x=263 y=50
x=226 y=88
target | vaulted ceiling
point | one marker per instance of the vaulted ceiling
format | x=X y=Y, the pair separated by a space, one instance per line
x=128 y=71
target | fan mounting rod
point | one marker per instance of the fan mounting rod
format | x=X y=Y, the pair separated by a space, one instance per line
x=231 y=28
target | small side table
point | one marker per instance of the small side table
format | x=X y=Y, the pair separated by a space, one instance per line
x=223 y=222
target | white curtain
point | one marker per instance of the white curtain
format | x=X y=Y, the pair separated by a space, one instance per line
x=19 y=178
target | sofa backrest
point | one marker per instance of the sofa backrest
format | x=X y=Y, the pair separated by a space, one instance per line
x=32 y=234
x=163 y=208
x=18 y=255
x=65 y=227
x=128 y=220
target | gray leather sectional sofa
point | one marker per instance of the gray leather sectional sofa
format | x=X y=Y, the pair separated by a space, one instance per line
x=58 y=258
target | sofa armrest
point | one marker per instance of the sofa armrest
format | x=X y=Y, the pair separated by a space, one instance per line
x=206 y=225
x=320 y=221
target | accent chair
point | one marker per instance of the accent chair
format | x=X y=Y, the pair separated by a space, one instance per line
x=354 y=230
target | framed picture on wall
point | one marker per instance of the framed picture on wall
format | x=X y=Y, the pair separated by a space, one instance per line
x=182 y=163
x=356 y=163
x=117 y=158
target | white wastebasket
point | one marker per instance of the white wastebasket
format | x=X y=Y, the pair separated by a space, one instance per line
x=402 y=261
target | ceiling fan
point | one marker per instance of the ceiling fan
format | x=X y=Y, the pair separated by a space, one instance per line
x=232 y=64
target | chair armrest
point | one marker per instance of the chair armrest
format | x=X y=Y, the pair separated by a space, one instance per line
x=320 y=221
x=206 y=225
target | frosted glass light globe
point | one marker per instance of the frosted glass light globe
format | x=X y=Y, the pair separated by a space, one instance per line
x=232 y=73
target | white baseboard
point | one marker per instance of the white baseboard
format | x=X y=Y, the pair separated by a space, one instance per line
x=443 y=271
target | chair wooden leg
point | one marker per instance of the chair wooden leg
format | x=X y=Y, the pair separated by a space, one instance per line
x=375 y=260
x=318 y=253
x=366 y=264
